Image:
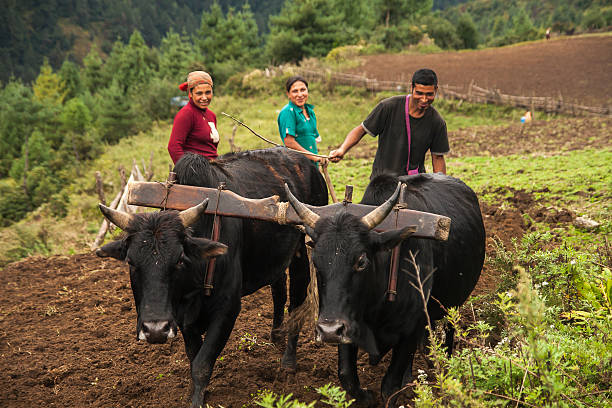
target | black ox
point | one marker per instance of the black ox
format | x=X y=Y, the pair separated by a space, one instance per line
x=352 y=264
x=167 y=265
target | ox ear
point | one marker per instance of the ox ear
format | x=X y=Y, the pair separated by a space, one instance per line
x=208 y=248
x=115 y=249
x=389 y=239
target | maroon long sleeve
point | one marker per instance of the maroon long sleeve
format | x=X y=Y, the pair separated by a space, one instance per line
x=194 y=130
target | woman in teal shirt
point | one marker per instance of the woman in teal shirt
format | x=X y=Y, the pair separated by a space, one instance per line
x=297 y=123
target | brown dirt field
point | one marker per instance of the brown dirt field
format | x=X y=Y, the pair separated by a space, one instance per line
x=578 y=68
x=67 y=339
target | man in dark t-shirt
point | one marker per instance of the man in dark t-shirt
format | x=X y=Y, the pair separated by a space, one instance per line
x=401 y=149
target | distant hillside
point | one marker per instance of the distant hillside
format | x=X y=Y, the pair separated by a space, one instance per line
x=494 y=18
x=31 y=30
x=58 y=29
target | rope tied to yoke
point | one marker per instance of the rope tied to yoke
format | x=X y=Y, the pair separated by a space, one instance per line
x=281 y=215
x=167 y=186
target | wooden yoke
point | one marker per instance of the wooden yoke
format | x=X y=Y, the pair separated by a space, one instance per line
x=229 y=204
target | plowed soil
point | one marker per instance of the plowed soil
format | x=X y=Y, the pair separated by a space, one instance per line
x=68 y=339
x=67 y=323
x=578 y=68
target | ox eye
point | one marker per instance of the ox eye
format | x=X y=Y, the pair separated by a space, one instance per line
x=183 y=259
x=362 y=263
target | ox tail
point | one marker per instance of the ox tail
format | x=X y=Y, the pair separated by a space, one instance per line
x=308 y=312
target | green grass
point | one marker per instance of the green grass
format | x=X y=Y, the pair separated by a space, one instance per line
x=580 y=180
x=337 y=114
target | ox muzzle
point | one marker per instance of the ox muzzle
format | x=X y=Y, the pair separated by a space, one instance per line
x=157 y=331
x=332 y=331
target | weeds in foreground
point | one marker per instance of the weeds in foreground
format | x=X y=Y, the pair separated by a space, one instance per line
x=546 y=356
x=330 y=395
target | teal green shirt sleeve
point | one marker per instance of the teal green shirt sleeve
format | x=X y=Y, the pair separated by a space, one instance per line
x=286 y=122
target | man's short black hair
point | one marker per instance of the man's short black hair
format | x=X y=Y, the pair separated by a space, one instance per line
x=425 y=76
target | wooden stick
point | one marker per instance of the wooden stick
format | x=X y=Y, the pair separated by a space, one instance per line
x=330 y=185
x=149 y=172
x=100 y=188
x=105 y=224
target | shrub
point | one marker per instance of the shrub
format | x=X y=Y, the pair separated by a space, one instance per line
x=154 y=99
x=593 y=19
x=396 y=38
x=14 y=203
x=341 y=54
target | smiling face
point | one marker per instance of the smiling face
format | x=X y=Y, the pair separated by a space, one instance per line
x=298 y=93
x=422 y=97
x=201 y=95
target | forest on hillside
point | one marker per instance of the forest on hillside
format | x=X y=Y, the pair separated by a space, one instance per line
x=61 y=30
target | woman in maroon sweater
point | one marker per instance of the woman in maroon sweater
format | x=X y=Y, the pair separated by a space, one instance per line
x=195 y=126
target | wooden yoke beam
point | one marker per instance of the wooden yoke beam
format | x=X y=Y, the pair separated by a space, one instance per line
x=180 y=197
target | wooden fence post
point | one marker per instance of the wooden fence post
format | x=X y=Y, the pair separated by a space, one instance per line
x=100 y=188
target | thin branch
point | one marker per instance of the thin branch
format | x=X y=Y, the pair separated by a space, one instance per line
x=271 y=142
x=508 y=398
x=521 y=389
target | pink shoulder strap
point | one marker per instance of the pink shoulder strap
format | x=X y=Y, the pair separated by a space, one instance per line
x=408 y=171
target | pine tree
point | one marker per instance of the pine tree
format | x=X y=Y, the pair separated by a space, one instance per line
x=308 y=28
x=117 y=118
x=231 y=37
x=397 y=12
x=78 y=143
x=130 y=65
x=177 y=55
x=18 y=115
x=466 y=30
x=93 y=77
x=70 y=76
x=48 y=87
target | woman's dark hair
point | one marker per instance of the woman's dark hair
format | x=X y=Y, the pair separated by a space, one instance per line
x=293 y=80
x=425 y=76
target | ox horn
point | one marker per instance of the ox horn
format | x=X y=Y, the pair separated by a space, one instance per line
x=308 y=216
x=119 y=218
x=191 y=215
x=377 y=215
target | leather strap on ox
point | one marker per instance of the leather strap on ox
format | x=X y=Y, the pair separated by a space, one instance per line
x=394 y=265
x=210 y=270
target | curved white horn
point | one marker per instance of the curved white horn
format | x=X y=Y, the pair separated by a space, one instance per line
x=377 y=215
x=119 y=218
x=308 y=216
x=191 y=215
